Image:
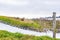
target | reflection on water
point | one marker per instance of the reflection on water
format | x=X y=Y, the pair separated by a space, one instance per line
x=15 y=29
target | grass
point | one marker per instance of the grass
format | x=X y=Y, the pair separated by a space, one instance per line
x=37 y=25
x=5 y=35
x=48 y=24
x=19 y=23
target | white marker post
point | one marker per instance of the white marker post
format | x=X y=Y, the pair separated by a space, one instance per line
x=54 y=24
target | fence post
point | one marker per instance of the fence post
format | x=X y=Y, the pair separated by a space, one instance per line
x=54 y=24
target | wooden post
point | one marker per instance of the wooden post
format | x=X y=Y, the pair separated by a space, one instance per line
x=54 y=24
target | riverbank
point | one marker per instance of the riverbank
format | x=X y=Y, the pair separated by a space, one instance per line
x=20 y=24
x=5 y=35
x=34 y=25
x=28 y=32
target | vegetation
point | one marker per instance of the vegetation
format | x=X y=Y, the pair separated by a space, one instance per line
x=47 y=23
x=34 y=24
x=5 y=35
x=18 y=23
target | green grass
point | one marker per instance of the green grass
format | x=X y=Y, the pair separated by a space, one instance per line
x=37 y=25
x=48 y=24
x=5 y=35
x=17 y=23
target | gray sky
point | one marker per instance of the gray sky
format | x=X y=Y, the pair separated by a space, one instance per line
x=29 y=8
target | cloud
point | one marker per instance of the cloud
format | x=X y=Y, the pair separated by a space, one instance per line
x=32 y=8
x=30 y=5
x=14 y=2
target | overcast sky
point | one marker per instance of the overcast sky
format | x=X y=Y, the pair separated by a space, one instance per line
x=29 y=8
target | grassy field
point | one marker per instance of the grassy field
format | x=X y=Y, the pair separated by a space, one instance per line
x=5 y=35
x=37 y=25
x=19 y=23
x=47 y=23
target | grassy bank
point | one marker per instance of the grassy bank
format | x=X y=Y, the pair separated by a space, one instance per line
x=19 y=23
x=5 y=35
x=47 y=23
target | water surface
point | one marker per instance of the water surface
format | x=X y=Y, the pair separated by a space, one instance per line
x=29 y=32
